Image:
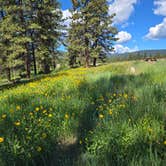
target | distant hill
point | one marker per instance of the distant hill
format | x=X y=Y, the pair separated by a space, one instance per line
x=138 y=55
x=147 y=52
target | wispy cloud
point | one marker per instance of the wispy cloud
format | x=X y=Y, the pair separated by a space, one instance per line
x=123 y=49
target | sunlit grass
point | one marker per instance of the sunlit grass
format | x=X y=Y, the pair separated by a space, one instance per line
x=106 y=115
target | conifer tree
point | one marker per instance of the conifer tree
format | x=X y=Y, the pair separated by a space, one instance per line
x=91 y=34
x=23 y=21
x=48 y=19
x=11 y=38
x=29 y=32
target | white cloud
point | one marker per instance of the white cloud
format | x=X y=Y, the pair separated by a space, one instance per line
x=123 y=37
x=158 y=31
x=160 y=7
x=126 y=24
x=122 y=8
x=123 y=49
x=66 y=15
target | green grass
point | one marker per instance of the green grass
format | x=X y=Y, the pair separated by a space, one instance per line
x=99 y=116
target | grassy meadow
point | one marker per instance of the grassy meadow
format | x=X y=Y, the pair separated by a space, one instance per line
x=107 y=115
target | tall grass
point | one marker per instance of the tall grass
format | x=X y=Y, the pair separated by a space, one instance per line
x=98 y=116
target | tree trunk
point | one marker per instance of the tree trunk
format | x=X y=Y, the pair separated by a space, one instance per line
x=46 y=67
x=27 y=66
x=34 y=59
x=87 y=58
x=8 y=74
x=94 y=62
x=54 y=64
x=25 y=55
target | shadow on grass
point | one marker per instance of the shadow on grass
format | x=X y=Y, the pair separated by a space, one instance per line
x=70 y=154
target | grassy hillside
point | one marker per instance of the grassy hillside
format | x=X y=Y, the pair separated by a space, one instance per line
x=109 y=115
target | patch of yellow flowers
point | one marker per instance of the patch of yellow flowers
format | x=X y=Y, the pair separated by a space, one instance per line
x=17 y=123
x=1 y=139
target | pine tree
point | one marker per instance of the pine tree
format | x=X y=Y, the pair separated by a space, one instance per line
x=23 y=21
x=11 y=39
x=33 y=30
x=29 y=32
x=91 y=34
x=47 y=37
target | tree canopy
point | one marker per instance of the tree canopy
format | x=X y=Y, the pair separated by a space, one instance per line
x=30 y=33
x=91 y=34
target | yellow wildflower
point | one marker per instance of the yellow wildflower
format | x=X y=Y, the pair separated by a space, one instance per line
x=44 y=111
x=66 y=116
x=110 y=111
x=4 y=116
x=122 y=106
x=110 y=101
x=164 y=142
x=38 y=148
x=1 y=139
x=37 y=109
x=125 y=96
x=30 y=113
x=18 y=107
x=50 y=115
x=44 y=135
x=17 y=123
x=101 y=116
x=150 y=130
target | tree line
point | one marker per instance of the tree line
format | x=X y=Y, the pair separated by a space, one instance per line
x=31 y=32
x=138 y=55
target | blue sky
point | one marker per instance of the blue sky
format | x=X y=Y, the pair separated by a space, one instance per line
x=141 y=23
